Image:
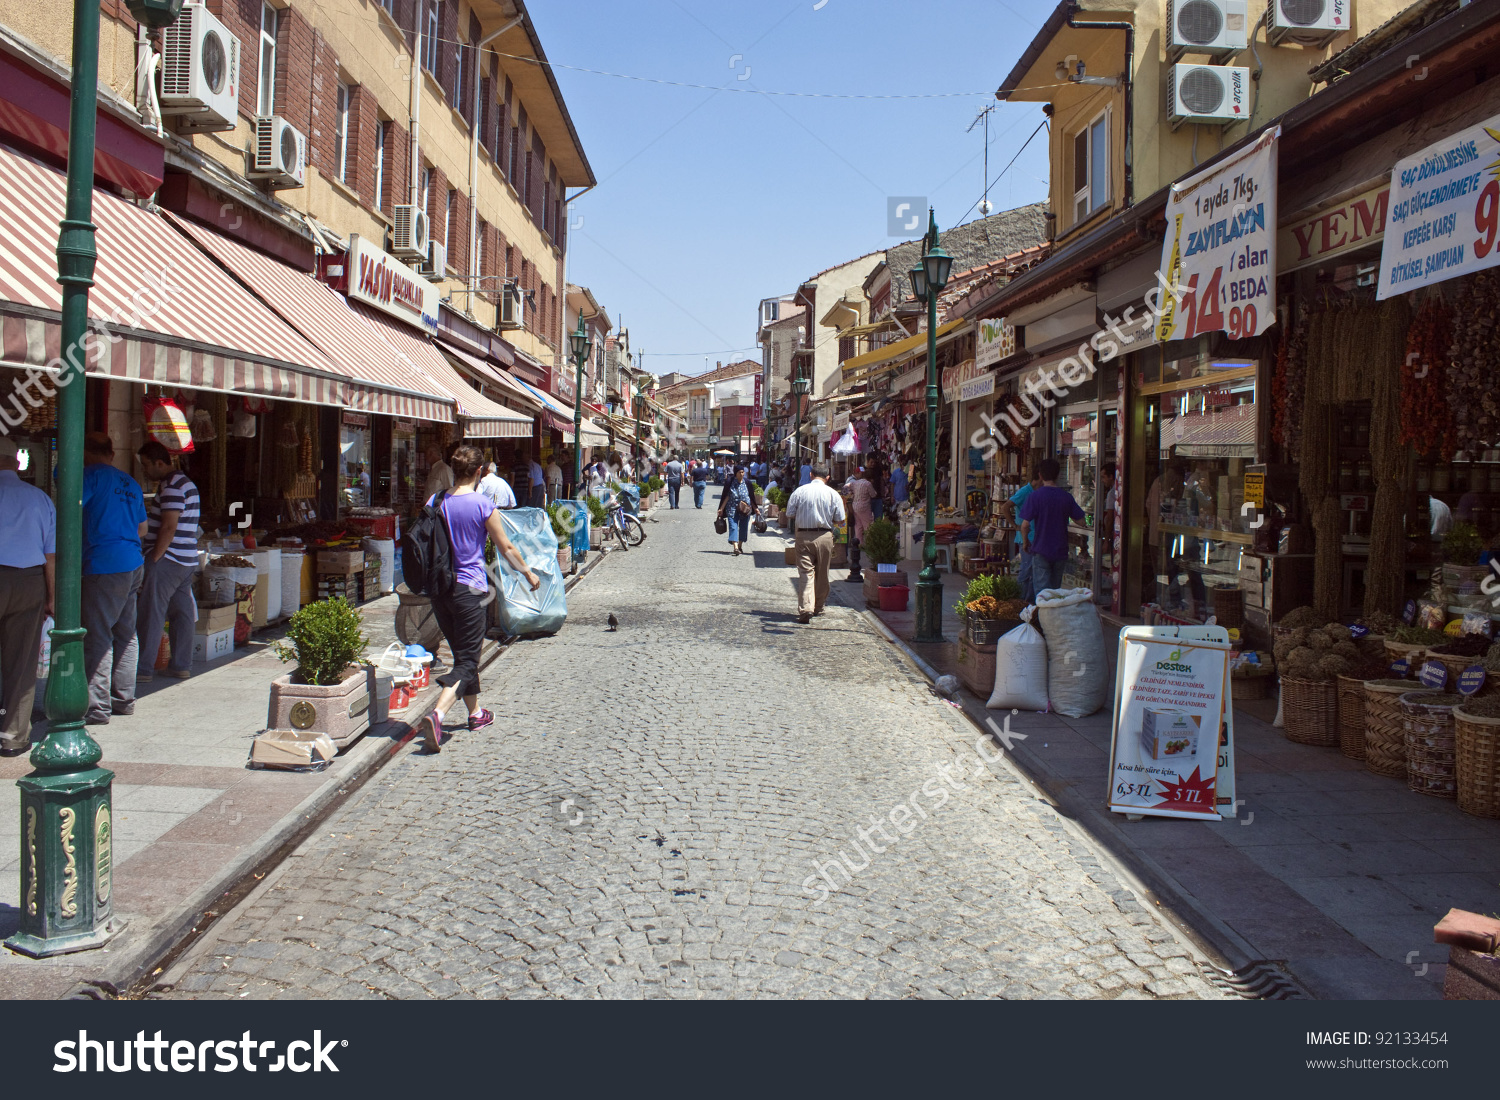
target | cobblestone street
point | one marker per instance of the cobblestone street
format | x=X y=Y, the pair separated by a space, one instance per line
x=651 y=810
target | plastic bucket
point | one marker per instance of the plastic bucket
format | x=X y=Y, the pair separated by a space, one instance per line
x=893 y=597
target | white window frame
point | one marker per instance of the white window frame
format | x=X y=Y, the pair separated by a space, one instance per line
x=429 y=51
x=266 y=82
x=341 y=136
x=448 y=220
x=379 y=198
x=458 y=83
x=424 y=191
x=1085 y=198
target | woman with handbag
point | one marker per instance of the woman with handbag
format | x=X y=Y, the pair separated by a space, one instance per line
x=735 y=508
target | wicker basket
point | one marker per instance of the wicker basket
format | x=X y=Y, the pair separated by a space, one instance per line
x=1428 y=729
x=1243 y=689
x=1310 y=711
x=1455 y=665
x=1394 y=651
x=1371 y=646
x=1352 y=717
x=1478 y=773
x=1385 y=729
x=1229 y=606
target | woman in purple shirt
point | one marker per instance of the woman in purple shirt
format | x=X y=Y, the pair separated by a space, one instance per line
x=462 y=613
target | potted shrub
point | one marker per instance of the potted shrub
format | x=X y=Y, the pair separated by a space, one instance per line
x=561 y=517
x=778 y=498
x=1462 y=549
x=881 y=547
x=597 y=516
x=989 y=607
x=327 y=692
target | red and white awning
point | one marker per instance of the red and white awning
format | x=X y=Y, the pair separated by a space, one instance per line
x=163 y=312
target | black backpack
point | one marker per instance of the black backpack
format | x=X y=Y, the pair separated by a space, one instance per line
x=427 y=552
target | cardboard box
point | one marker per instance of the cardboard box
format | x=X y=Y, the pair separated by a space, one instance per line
x=341 y=561
x=211 y=620
x=291 y=749
x=1168 y=733
x=210 y=647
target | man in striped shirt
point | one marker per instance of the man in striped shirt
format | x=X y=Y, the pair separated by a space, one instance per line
x=171 y=560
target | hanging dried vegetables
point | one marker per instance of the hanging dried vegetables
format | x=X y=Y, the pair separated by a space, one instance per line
x=1289 y=387
x=1473 y=381
x=1426 y=419
x=1390 y=458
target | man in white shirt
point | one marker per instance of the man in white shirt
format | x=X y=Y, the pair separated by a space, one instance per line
x=497 y=489
x=815 y=511
x=1442 y=517
x=554 y=479
x=439 y=474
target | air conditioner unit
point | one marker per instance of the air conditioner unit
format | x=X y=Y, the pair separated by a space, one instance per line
x=1307 y=22
x=409 y=233
x=1215 y=27
x=280 y=153
x=1208 y=93
x=200 y=72
x=512 y=308
x=435 y=266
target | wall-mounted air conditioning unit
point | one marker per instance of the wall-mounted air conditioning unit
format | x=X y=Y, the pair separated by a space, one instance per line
x=435 y=266
x=280 y=153
x=1208 y=94
x=409 y=233
x=1215 y=27
x=512 y=308
x=200 y=72
x=1307 y=22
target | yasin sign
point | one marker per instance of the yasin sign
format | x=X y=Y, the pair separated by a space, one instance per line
x=378 y=279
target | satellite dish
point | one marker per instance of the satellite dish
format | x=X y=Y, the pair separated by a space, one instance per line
x=985 y=206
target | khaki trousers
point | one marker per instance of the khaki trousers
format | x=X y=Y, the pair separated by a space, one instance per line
x=814 y=554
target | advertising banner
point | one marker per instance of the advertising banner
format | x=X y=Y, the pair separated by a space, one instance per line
x=1220 y=248
x=380 y=280
x=1172 y=751
x=995 y=340
x=1444 y=212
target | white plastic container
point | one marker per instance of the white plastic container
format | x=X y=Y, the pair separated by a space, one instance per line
x=291 y=582
x=386 y=549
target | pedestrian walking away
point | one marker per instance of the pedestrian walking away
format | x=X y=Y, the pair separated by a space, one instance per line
x=1012 y=510
x=28 y=588
x=538 y=484
x=462 y=611
x=114 y=519
x=700 y=483
x=861 y=497
x=497 y=488
x=1046 y=514
x=815 y=511
x=171 y=560
x=737 y=505
x=554 y=479
x=674 y=472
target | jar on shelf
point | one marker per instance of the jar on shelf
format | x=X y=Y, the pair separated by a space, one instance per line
x=1424 y=477
x=1441 y=477
x=1365 y=476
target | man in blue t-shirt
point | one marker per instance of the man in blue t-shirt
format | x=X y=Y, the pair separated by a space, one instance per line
x=1023 y=548
x=114 y=518
x=1044 y=523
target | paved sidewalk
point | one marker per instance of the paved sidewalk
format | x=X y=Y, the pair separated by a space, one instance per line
x=1330 y=872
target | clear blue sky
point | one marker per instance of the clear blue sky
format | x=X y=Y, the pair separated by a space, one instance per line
x=709 y=201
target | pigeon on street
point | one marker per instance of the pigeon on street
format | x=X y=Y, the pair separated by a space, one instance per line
x=613 y=622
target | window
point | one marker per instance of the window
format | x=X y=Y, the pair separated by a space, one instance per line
x=390 y=7
x=266 y=82
x=341 y=136
x=448 y=221
x=458 y=75
x=424 y=191
x=430 y=46
x=772 y=311
x=1091 y=168
x=381 y=129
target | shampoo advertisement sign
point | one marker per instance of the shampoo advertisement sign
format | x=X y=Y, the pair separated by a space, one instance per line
x=1172 y=750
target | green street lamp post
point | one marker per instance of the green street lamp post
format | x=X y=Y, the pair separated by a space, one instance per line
x=800 y=388
x=640 y=407
x=928 y=280
x=581 y=346
x=67 y=903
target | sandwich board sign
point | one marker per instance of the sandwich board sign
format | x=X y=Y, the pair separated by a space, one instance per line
x=1172 y=743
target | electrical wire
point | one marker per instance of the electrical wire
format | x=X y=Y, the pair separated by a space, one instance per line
x=1004 y=170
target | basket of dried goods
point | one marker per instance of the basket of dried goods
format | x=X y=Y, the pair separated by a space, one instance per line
x=1457 y=654
x=1310 y=659
x=1229 y=605
x=1476 y=734
x=1427 y=727
x=1352 y=707
x=1411 y=643
x=1377 y=624
x=1385 y=726
x=1302 y=618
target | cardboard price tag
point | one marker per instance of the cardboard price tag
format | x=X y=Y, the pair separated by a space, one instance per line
x=1471 y=679
x=1434 y=675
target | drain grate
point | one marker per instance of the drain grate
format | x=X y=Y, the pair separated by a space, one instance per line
x=1258 y=981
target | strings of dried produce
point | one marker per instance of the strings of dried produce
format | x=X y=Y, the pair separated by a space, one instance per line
x=1289 y=386
x=1473 y=380
x=215 y=499
x=1390 y=460
x=1427 y=420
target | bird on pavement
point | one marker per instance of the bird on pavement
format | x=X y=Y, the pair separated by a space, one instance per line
x=614 y=623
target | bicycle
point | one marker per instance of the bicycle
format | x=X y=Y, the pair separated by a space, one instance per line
x=622 y=526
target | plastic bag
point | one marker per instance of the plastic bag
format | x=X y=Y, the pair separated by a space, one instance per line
x=522 y=611
x=166 y=424
x=1020 y=670
x=1077 y=664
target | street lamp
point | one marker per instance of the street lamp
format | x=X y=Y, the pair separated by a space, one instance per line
x=801 y=386
x=640 y=407
x=67 y=827
x=931 y=277
x=581 y=346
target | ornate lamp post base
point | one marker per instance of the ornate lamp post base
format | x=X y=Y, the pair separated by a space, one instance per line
x=929 y=606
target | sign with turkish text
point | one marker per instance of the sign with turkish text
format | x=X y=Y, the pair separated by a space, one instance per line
x=994 y=341
x=1172 y=749
x=1444 y=212
x=1255 y=489
x=976 y=388
x=1353 y=223
x=760 y=412
x=954 y=377
x=1220 y=248
x=378 y=279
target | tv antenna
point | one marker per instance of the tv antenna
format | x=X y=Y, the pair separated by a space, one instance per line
x=985 y=206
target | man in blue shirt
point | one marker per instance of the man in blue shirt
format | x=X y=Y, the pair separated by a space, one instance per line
x=1023 y=548
x=899 y=485
x=28 y=584
x=807 y=474
x=114 y=519
x=1044 y=518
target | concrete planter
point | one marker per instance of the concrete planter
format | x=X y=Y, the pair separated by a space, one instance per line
x=564 y=561
x=875 y=581
x=596 y=538
x=340 y=710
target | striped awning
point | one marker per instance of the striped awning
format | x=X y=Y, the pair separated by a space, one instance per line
x=515 y=393
x=380 y=380
x=481 y=417
x=163 y=312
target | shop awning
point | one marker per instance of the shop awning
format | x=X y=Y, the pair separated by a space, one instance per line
x=481 y=417
x=515 y=393
x=861 y=364
x=380 y=380
x=163 y=312
x=562 y=418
